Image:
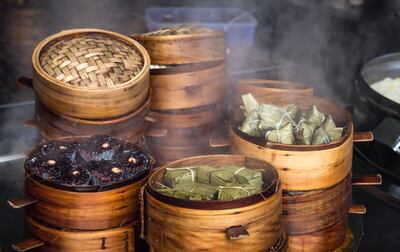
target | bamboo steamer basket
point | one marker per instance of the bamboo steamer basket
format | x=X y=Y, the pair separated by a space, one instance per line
x=184 y=48
x=47 y=239
x=90 y=207
x=307 y=212
x=321 y=241
x=90 y=103
x=183 y=127
x=172 y=224
x=300 y=167
x=131 y=126
x=187 y=86
x=261 y=87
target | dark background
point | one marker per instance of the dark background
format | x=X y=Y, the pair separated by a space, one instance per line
x=315 y=43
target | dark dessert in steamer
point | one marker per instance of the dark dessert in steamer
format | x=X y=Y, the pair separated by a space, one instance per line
x=98 y=161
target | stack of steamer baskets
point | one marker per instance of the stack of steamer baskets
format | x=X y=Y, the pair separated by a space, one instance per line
x=79 y=206
x=249 y=224
x=187 y=79
x=90 y=81
x=316 y=179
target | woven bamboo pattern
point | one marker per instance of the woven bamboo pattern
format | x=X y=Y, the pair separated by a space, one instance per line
x=91 y=61
x=180 y=30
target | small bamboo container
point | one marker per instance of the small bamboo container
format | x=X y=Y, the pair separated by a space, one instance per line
x=260 y=87
x=172 y=224
x=112 y=99
x=187 y=86
x=184 y=48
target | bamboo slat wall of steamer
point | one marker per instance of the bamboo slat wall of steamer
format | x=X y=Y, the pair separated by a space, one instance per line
x=316 y=179
x=187 y=79
x=171 y=224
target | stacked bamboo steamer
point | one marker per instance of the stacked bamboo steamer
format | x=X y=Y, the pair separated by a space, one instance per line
x=90 y=81
x=187 y=81
x=316 y=179
x=250 y=224
x=86 y=218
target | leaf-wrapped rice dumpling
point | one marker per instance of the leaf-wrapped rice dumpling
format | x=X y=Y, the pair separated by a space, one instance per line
x=223 y=177
x=314 y=116
x=283 y=136
x=190 y=190
x=250 y=124
x=245 y=176
x=197 y=191
x=175 y=175
x=235 y=192
x=250 y=104
x=327 y=133
x=274 y=117
x=304 y=131
x=205 y=182
x=204 y=173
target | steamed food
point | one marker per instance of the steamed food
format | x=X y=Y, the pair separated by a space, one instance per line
x=388 y=87
x=283 y=124
x=204 y=182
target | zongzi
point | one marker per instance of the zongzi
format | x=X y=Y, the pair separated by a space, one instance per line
x=327 y=133
x=283 y=135
x=175 y=175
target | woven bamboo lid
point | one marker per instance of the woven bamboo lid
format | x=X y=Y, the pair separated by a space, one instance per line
x=91 y=60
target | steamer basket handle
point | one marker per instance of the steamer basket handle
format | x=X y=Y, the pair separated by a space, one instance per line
x=358 y=209
x=367 y=180
x=28 y=244
x=219 y=142
x=22 y=202
x=156 y=132
x=142 y=202
x=25 y=81
x=30 y=123
x=236 y=232
x=360 y=137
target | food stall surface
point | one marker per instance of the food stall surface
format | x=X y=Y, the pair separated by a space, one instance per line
x=341 y=39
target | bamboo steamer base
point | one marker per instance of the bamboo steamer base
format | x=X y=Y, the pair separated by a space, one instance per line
x=322 y=241
x=55 y=240
x=311 y=211
x=281 y=246
x=347 y=242
x=131 y=126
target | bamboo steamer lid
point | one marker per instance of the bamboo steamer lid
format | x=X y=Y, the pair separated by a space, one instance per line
x=90 y=73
